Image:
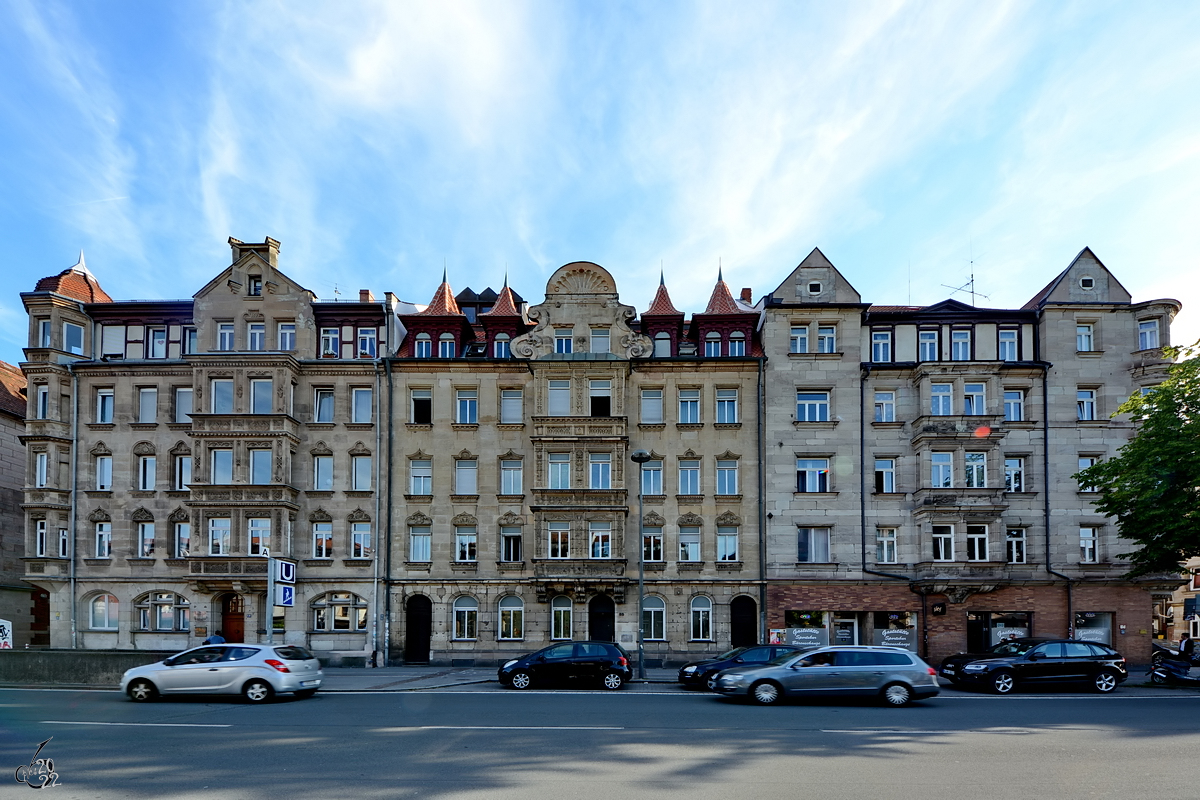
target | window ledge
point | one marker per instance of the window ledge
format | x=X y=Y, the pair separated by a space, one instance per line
x=101 y=426
x=464 y=426
x=359 y=426
x=652 y=426
x=893 y=425
x=143 y=493
x=1089 y=353
x=510 y=426
x=143 y=561
x=464 y=498
x=689 y=566
x=319 y=493
x=1093 y=423
x=143 y=426
x=418 y=498
x=464 y=566
x=654 y=566
x=817 y=495
x=689 y=499
x=878 y=494
x=97 y=562
x=175 y=562
x=179 y=426
x=654 y=499
x=178 y=493
x=98 y=492
x=1023 y=424
x=727 y=426
x=418 y=565
x=321 y=426
x=729 y=566
x=728 y=498
x=510 y=498
x=817 y=565
x=359 y=493
x=815 y=356
x=1081 y=493
x=357 y=562
x=419 y=426
x=689 y=426
x=317 y=562
x=827 y=425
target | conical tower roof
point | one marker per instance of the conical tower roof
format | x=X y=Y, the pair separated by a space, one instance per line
x=505 y=305
x=722 y=301
x=662 y=306
x=443 y=303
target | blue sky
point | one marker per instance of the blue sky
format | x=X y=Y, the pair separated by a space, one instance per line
x=379 y=141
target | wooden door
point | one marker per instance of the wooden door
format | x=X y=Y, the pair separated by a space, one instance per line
x=233 y=619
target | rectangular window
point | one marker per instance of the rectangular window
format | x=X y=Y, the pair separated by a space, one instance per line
x=885 y=406
x=323 y=473
x=41 y=470
x=1083 y=338
x=1014 y=405
x=465 y=543
x=419 y=538
x=927 y=346
x=254 y=286
x=219 y=534
x=512 y=408
x=560 y=539
x=42 y=405
x=662 y=345
x=183 y=405
x=799 y=341
x=689 y=406
x=943 y=542
x=727 y=406
x=366 y=342
x=1087 y=545
x=941 y=470
x=467 y=407
x=885 y=546
x=287 y=336
x=976 y=470
x=881 y=346
x=1014 y=544
x=1085 y=404
x=1014 y=474
x=727 y=543
x=103 y=473
x=183 y=539
x=330 y=342
x=727 y=477
x=43 y=333
x=812 y=474
x=64 y=543
x=885 y=475
x=360 y=473
x=737 y=344
x=465 y=471
x=446 y=346
x=323 y=405
x=256 y=336
x=360 y=540
x=652 y=544
x=191 y=341
x=652 y=406
x=812 y=406
x=103 y=540
x=1007 y=348
x=260 y=396
x=600 y=341
x=689 y=544
x=712 y=345
x=960 y=345
x=104 y=406
x=222 y=467
x=1084 y=463
x=562 y=340
x=689 y=477
x=941 y=399
x=222 y=396
x=974 y=399
x=1148 y=334
x=559 y=469
x=73 y=338
x=510 y=543
x=600 y=398
x=826 y=340
x=511 y=477
x=599 y=470
x=977 y=543
x=183 y=473
x=147 y=404
x=600 y=534
x=501 y=347
x=560 y=399
x=224 y=335
x=156 y=343
x=259 y=533
x=322 y=540
x=360 y=404
x=147 y=469
x=652 y=478
x=424 y=346
x=420 y=406
x=812 y=545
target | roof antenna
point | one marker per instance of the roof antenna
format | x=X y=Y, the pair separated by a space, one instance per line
x=969 y=285
x=336 y=291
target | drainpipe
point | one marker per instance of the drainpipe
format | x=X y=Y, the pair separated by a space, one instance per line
x=74 y=498
x=1046 y=497
x=375 y=532
x=387 y=579
x=762 y=506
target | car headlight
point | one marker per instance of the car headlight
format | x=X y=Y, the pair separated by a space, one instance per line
x=974 y=668
x=508 y=664
x=688 y=670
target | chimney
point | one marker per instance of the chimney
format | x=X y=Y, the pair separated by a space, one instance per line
x=365 y=296
x=748 y=296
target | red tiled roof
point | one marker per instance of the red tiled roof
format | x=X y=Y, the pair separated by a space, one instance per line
x=892 y=309
x=442 y=304
x=662 y=305
x=504 y=306
x=72 y=283
x=722 y=302
x=12 y=390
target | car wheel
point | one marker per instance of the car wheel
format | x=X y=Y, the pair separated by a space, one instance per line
x=142 y=691
x=521 y=680
x=1106 y=681
x=765 y=693
x=304 y=694
x=897 y=695
x=613 y=680
x=257 y=691
x=1003 y=682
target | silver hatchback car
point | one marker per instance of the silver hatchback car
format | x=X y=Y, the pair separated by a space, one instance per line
x=892 y=674
x=256 y=671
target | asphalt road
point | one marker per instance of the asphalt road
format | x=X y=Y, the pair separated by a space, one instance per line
x=648 y=743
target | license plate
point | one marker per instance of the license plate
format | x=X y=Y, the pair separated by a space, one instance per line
x=948 y=670
x=310 y=683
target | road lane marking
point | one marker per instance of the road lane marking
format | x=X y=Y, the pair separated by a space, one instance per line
x=501 y=728
x=136 y=724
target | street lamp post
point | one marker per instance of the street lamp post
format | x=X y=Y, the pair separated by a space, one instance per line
x=640 y=457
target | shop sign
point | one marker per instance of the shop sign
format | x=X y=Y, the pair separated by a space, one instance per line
x=897 y=637
x=1004 y=634
x=807 y=637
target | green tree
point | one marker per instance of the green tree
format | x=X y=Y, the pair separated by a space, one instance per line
x=1152 y=487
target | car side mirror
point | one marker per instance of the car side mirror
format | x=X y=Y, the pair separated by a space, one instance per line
x=1034 y=656
x=738 y=660
x=541 y=659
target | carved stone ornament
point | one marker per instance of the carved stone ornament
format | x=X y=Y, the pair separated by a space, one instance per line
x=143 y=449
x=689 y=454
x=728 y=455
x=511 y=454
x=420 y=455
x=320 y=515
x=464 y=454
x=690 y=519
x=653 y=519
x=142 y=515
x=321 y=449
x=418 y=519
x=358 y=515
x=181 y=449
x=359 y=449
x=101 y=449
x=99 y=515
x=178 y=515
x=729 y=518
x=464 y=519
x=509 y=519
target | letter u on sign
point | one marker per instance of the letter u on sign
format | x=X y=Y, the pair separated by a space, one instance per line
x=285 y=572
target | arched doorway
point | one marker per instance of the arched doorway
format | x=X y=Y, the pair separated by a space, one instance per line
x=418 y=628
x=602 y=619
x=233 y=618
x=743 y=622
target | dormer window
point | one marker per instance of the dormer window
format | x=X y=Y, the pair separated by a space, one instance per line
x=446 y=345
x=366 y=342
x=1087 y=282
x=712 y=345
x=814 y=287
x=737 y=344
x=662 y=345
x=501 y=347
x=254 y=286
x=73 y=338
x=562 y=340
x=424 y=346
x=329 y=342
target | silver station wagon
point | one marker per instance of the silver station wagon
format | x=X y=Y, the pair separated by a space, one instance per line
x=895 y=676
x=256 y=671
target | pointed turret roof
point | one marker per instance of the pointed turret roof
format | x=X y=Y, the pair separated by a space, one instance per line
x=722 y=301
x=76 y=282
x=505 y=305
x=662 y=306
x=443 y=303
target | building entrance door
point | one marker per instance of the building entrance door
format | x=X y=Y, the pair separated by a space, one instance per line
x=844 y=630
x=602 y=619
x=743 y=622
x=233 y=618
x=418 y=628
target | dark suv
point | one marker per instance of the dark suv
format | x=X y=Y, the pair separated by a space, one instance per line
x=1010 y=664
x=696 y=674
x=604 y=663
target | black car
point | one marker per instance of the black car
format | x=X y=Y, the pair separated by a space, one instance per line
x=602 y=663
x=1029 y=660
x=696 y=674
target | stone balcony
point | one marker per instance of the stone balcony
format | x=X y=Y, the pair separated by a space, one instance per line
x=571 y=568
x=984 y=503
x=245 y=425
x=956 y=429
x=271 y=495
x=573 y=428
x=559 y=499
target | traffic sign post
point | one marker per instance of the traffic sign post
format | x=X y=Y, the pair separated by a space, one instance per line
x=281 y=590
x=285 y=595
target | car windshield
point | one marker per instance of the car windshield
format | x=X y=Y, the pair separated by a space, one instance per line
x=1013 y=648
x=734 y=652
x=784 y=658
